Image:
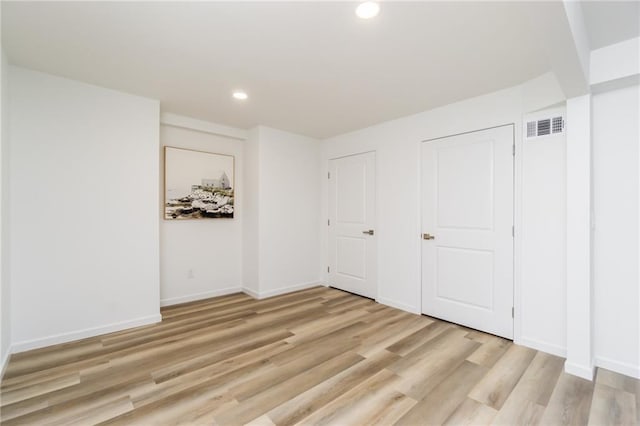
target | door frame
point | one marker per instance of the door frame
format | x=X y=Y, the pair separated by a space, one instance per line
x=376 y=209
x=516 y=215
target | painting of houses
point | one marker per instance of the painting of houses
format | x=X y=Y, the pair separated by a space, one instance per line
x=198 y=185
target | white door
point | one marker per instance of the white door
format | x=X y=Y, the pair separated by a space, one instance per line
x=352 y=239
x=467 y=220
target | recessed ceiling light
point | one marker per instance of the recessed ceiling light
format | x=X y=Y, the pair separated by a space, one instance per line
x=367 y=10
x=241 y=95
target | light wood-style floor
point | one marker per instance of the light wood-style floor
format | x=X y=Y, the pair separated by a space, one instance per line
x=319 y=356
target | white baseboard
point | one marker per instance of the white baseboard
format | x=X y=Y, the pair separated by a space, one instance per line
x=26 y=345
x=5 y=361
x=619 y=367
x=252 y=293
x=584 y=371
x=199 y=296
x=280 y=291
x=542 y=346
x=399 y=305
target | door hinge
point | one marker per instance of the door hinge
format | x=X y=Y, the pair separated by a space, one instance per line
x=514 y=150
x=328 y=269
x=513 y=231
x=513 y=312
x=328 y=222
x=328 y=175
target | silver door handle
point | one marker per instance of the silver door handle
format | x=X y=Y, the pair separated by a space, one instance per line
x=428 y=237
x=369 y=232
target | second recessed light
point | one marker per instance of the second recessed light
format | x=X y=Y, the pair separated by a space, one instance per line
x=241 y=95
x=368 y=10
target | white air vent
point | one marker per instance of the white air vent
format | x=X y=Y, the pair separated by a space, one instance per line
x=544 y=127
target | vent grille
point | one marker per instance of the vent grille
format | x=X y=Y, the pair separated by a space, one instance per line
x=557 y=125
x=545 y=127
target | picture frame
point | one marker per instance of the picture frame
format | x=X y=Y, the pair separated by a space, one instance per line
x=198 y=184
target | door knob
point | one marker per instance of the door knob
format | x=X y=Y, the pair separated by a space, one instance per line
x=369 y=232
x=428 y=237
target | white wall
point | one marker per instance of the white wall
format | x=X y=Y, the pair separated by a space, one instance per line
x=616 y=140
x=541 y=239
x=201 y=258
x=251 y=215
x=281 y=236
x=289 y=211
x=84 y=209
x=397 y=144
x=5 y=288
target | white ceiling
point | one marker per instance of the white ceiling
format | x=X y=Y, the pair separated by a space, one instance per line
x=309 y=67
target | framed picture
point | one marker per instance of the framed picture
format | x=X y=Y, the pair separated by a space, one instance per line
x=198 y=185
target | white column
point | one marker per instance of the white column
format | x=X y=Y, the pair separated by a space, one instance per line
x=579 y=290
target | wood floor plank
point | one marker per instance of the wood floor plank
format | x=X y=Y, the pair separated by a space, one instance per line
x=570 y=402
x=68 y=412
x=212 y=389
x=348 y=305
x=519 y=411
x=210 y=400
x=44 y=387
x=325 y=325
x=262 y=402
x=434 y=366
x=490 y=351
x=223 y=353
x=98 y=414
x=494 y=389
x=383 y=407
x=378 y=338
x=221 y=375
x=419 y=337
x=261 y=421
x=529 y=398
x=316 y=356
x=621 y=382
x=350 y=403
x=286 y=371
x=611 y=406
x=345 y=336
x=471 y=412
x=204 y=414
x=444 y=398
x=618 y=381
x=306 y=403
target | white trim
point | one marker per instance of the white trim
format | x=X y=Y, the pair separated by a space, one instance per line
x=549 y=348
x=619 y=367
x=620 y=83
x=5 y=361
x=518 y=226
x=376 y=208
x=399 y=305
x=583 y=371
x=199 y=296
x=280 y=291
x=252 y=293
x=579 y=240
x=176 y=120
x=615 y=62
x=82 y=334
x=290 y=289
